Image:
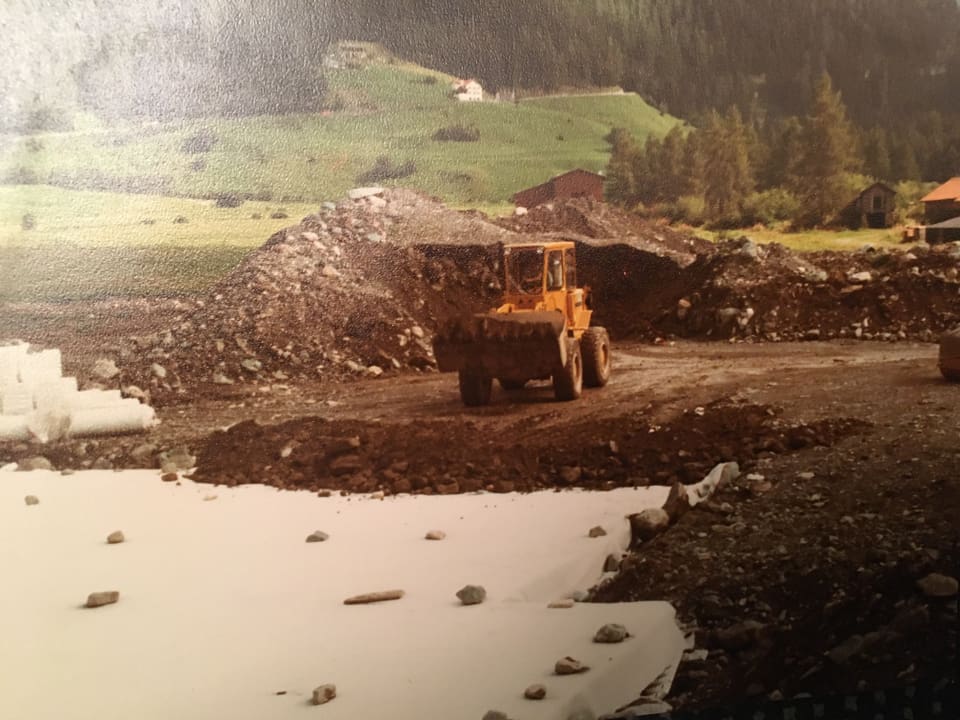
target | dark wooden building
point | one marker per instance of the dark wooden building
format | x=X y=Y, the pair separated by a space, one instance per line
x=573 y=184
x=874 y=207
x=943 y=203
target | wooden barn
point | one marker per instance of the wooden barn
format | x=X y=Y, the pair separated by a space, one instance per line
x=943 y=203
x=574 y=184
x=874 y=207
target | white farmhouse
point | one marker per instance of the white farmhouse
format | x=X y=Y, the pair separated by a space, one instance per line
x=467 y=90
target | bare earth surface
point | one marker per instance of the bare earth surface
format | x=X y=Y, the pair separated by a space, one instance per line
x=310 y=366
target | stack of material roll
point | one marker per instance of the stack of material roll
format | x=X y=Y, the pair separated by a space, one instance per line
x=38 y=403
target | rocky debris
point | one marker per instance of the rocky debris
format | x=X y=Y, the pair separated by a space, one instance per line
x=317 y=536
x=99 y=599
x=611 y=633
x=648 y=523
x=596 y=532
x=335 y=296
x=472 y=594
x=177 y=459
x=611 y=564
x=435 y=535
x=677 y=502
x=374 y=597
x=561 y=604
x=169 y=477
x=569 y=666
x=31 y=500
x=34 y=463
x=739 y=636
x=115 y=537
x=936 y=585
x=105 y=369
x=535 y=692
x=495 y=715
x=379 y=459
x=324 y=694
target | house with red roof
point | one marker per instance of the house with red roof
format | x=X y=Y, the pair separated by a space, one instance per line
x=943 y=203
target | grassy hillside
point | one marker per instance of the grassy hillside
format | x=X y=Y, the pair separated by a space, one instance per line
x=629 y=111
x=83 y=245
x=381 y=110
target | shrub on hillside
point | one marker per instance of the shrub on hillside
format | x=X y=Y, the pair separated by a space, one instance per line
x=429 y=79
x=689 y=209
x=200 y=142
x=770 y=206
x=280 y=214
x=457 y=133
x=34 y=145
x=180 y=220
x=46 y=118
x=28 y=221
x=228 y=200
x=21 y=175
x=385 y=169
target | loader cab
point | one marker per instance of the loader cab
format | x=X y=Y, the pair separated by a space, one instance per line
x=544 y=277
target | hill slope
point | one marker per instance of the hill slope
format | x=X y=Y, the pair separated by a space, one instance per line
x=383 y=110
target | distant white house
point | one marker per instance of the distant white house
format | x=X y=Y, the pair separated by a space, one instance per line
x=467 y=90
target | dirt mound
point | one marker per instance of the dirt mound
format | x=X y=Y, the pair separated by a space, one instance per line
x=771 y=293
x=353 y=290
x=585 y=219
x=316 y=454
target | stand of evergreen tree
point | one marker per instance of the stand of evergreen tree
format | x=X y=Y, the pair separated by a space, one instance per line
x=734 y=172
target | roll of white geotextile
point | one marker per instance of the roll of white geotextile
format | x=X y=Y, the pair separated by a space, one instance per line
x=14 y=427
x=94 y=399
x=127 y=416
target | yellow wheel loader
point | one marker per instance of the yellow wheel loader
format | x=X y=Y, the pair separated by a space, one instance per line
x=540 y=331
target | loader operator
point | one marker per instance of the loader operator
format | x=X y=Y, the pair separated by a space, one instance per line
x=555 y=273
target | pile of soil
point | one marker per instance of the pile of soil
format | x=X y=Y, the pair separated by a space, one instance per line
x=770 y=293
x=352 y=456
x=351 y=291
x=358 y=288
x=585 y=219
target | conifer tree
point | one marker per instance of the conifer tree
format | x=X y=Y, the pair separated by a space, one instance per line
x=829 y=153
x=727 y=175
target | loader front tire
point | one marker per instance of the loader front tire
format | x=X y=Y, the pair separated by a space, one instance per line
x=568 y=380
x=475 y=389
x=596 y=357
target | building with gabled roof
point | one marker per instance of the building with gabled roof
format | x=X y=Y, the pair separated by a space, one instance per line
x=943 y=203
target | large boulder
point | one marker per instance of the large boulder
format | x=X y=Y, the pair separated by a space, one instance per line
x=950 y=354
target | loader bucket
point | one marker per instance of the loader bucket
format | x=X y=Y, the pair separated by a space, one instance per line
x=517 y=345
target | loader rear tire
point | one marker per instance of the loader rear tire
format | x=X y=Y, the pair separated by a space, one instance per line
x=568 y=381
x=596 y=357
x=475 y=389
x=508 y=384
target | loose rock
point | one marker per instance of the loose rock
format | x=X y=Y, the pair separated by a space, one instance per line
x=569 y=666
x=611 y=633
x=596 y=532
x=324 y=694
x=649 y=523
x=472 y=594
x=561 y=604
x=31 y=500
x=169 y=477
x=99 y=599
x=936 y=585
x=435 y=535
x=318 y=536
x=115 y=537
x=374 y=597
x=535 y=692
x=35 y=463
